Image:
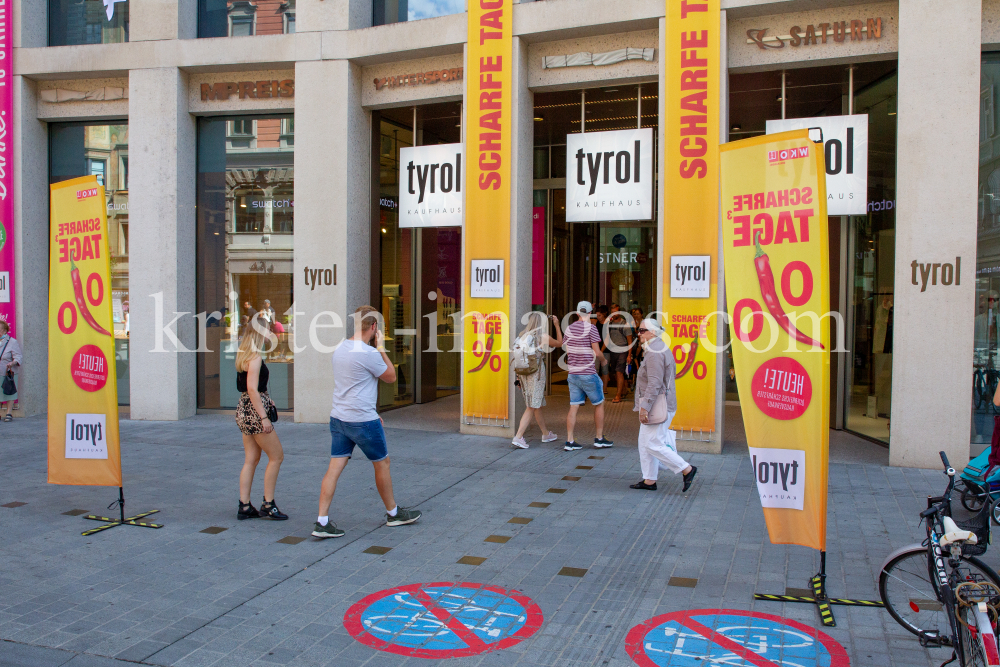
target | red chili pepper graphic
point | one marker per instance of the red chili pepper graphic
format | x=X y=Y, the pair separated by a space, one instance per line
x=81 y=301
x=690 y=359
x=770 y=293
x=486 y=355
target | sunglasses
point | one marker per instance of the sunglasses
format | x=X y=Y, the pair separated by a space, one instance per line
x=642 y=330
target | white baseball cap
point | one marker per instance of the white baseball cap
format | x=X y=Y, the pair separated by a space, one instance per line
x=585 y=307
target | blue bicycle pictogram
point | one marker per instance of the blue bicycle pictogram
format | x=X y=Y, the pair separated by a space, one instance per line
x=443 y=620
x=728 y=637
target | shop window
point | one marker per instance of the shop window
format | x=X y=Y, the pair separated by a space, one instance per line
x=395 y=11
x=288 y=132
x=245 y=212
x=245 y=18
x=87 y=22
x=123 y=172
x=986 y=332
x=75 y=150
x=869 y=252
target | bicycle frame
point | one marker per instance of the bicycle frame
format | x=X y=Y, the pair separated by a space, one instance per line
x=983 y=633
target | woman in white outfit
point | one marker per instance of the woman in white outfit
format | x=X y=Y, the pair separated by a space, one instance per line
x=657 y=443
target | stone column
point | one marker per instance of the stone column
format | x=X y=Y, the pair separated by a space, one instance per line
x=152 y=20
x=332 y=223
x=162 y=147
x=31 y=246
x=937 y=161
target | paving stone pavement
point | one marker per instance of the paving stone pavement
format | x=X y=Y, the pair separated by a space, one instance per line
x=180 y=596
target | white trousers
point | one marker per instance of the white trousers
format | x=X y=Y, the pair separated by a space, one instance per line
x=658 y=444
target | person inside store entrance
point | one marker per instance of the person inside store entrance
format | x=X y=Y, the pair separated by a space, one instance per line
x=254 y=415
x=534 y=341
x=583 y=347
x=357 y=368
x=620 y=352
x=656 y=403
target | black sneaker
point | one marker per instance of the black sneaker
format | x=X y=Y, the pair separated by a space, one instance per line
x=641 y=484
x=329 y=530
x=403 y=517
x=601 y=443
x=689 y=478
x=247 y=511
x=268 y=510
x=572 y=447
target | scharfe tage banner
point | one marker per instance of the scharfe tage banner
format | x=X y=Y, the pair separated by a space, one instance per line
x=691 y=204
x=83 y=391
x=778 y=289
x=486 y=332
x=7 y=310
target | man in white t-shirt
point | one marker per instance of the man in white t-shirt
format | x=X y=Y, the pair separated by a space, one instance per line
x=357 y=369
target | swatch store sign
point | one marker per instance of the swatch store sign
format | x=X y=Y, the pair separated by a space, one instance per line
x=609 y=176
x=430 y=188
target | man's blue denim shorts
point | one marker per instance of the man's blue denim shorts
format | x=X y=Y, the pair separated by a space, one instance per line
x=369 y=436
x=582 y=387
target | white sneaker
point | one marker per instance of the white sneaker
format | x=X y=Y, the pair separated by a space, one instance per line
x=519 y=442
x=550 y=437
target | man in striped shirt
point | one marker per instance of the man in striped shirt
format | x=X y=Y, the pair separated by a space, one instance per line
x=583 y=346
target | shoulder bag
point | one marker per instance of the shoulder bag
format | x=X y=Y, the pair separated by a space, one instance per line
x=7 y=386
x=658 y=412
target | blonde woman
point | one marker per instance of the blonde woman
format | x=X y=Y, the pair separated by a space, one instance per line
x=252 y=418
x=536 y=334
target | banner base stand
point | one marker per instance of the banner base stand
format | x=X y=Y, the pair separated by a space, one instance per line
x=818 y=586
x=123 y=520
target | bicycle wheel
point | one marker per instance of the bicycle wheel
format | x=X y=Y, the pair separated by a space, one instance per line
x=972 y=497
x=911 y=596
x=972 y=648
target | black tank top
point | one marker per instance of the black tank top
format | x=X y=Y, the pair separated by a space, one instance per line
x=241 y=380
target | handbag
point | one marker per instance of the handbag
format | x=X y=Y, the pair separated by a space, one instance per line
x=272 y=411
x=658 y=412
x=7 y=386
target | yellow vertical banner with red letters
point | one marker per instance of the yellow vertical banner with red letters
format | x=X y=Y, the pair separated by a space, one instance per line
x=486 y=292
x=776 y=246
x=690 y=181
x=83 y=390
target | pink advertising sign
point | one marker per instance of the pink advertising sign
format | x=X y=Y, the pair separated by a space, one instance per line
x=538 y=255
x=6 y=168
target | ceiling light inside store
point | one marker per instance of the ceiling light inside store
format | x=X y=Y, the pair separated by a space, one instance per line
x=539 y=119
x=778 y=98
x=383 y=231
x=735 y=128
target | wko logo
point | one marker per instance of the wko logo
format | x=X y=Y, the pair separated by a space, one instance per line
x=85 y=194
x=776 y=157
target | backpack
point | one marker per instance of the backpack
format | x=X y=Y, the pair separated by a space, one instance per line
x=527 y=358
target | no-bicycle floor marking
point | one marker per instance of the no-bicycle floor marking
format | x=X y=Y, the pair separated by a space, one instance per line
x=732 y=638
x=443 y=620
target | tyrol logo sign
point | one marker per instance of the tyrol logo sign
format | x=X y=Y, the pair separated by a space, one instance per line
x=609 y=176
x=845 y=152
x=781 y=476
x=431 y=195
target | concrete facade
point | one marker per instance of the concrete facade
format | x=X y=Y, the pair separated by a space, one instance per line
x=334 y=57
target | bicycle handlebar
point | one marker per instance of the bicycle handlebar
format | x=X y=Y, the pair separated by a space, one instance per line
x=944 y=459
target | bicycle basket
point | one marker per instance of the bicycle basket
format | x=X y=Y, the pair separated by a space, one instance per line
x=980 y=525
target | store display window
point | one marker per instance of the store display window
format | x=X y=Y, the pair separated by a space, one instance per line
x=245 y=228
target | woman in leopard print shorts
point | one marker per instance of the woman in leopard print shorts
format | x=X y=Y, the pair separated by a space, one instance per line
x=251 y=417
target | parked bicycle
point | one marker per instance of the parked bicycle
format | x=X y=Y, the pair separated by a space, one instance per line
x=940 y=591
